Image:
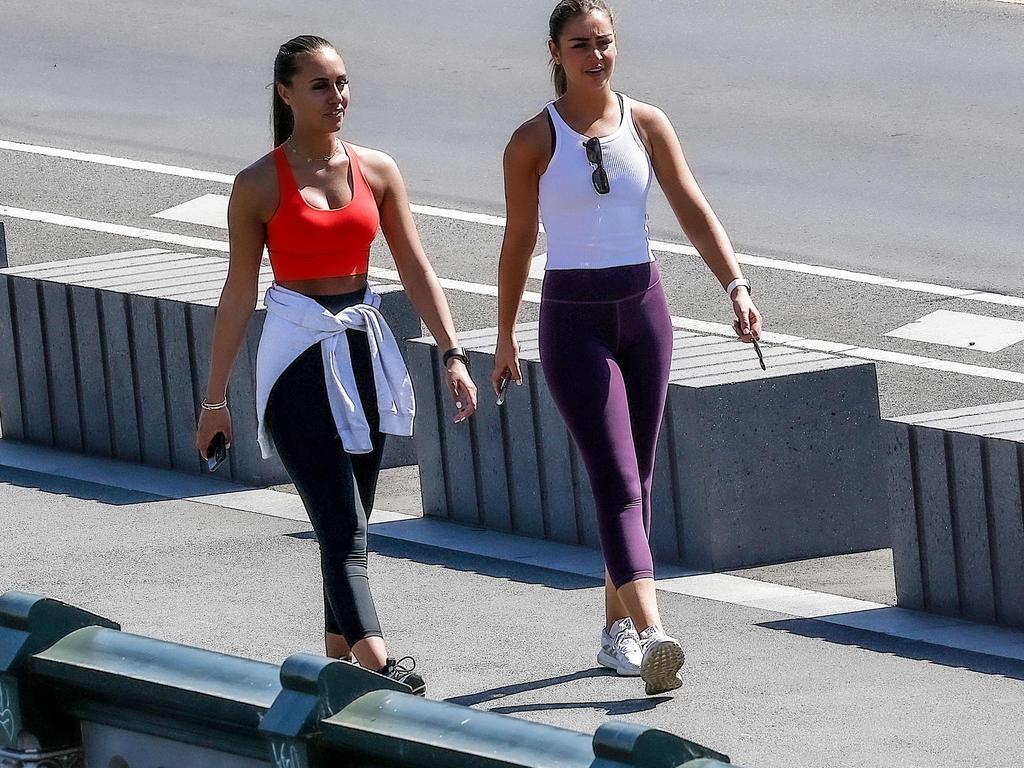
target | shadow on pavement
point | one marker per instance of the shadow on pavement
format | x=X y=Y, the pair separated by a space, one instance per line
x=470 y=563
x=612 y=708
x=77 y=489
x=904 y=648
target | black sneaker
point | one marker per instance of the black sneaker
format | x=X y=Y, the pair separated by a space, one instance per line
x=404 y=673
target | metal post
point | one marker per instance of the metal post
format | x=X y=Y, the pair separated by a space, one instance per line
x=3 y=247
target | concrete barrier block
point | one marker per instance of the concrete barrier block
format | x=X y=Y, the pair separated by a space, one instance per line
x=586 y=508
x=970 y=527
x=32 y=367
x=1004 y=482
x=489 y=435
x=150 y=379
x=524 y=474
x=935 y=521
x=11 y=420
x=200 y=328
x=693 y=519
x=60 y=365
x=90 y=371
x=120 y=376
x=399 y=312
x=781 y=460
x=427 y=429
x=554 y=453
x=663 y=536
x=180 y=402
x=246 y=461
x=906 y=550
x=459 y=451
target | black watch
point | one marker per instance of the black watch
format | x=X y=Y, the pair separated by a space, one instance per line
x=458 y=353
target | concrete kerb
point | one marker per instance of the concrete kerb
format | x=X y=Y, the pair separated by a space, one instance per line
x=811 y=425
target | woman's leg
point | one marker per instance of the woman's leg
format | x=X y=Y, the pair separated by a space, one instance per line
x=587 y=385
x=300 y=421
x=645 y=358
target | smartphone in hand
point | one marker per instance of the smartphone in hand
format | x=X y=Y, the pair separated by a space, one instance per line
x=217 y=452
x=506 y=379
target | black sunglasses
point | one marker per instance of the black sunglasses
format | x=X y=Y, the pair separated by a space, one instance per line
x=600 y=178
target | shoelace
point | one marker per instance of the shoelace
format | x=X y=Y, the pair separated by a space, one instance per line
x=627 y=640
x=405 y=670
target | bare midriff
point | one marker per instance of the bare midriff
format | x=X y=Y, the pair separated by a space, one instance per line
x=326 y=286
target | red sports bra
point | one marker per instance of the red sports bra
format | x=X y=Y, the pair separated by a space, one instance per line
x=307 y=243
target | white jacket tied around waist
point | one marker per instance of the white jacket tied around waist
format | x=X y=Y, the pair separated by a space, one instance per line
x=294 y=323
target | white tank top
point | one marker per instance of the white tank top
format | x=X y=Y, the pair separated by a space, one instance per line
x=586 y=230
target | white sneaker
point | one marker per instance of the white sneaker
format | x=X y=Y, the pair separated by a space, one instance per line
x=620 y=648
x=663 y=657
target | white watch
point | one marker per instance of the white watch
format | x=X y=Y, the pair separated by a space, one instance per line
x=739 y=281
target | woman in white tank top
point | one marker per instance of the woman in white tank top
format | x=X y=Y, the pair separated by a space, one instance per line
x=587 y=162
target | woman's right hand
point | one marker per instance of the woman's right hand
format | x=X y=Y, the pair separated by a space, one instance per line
x=506 y=358
x=210 y=423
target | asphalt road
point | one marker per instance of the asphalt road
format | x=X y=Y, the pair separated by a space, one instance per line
x=875 y=135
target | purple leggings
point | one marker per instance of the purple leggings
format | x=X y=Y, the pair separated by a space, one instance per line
x=606 y=349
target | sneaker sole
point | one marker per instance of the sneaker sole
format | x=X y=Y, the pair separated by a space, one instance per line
x=607 y=660
x=661 y=665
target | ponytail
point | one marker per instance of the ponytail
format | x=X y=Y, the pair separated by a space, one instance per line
x=282 y=120
x=559 y=79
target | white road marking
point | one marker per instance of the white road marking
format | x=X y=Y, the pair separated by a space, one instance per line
x=207 y=210
x=962 y=329
x=113 y=229
x=720 y=329
x=498 y=221
x=117 y=162
x=534 y=553
x=537 y=266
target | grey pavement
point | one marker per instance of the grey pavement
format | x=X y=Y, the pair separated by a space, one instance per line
x=766 y=688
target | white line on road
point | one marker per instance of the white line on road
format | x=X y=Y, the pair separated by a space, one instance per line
x=498 y=221
x=719 y=329
x=533 y=553
x=118 y=162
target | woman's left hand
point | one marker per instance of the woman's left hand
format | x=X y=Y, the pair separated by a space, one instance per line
x=462 y=389
x=748 y=319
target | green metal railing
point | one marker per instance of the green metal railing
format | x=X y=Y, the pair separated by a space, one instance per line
x=65 y=673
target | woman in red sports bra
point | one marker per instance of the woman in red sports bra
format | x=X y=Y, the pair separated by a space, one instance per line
x=330 y=381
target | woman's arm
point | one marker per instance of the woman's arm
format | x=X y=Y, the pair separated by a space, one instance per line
x=246 y=236
x=698 y=221
x=418 y=277
x=522 y=191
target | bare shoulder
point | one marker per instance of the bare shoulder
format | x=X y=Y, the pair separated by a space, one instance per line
x=530 y=143
x=374 y=160
x=533 y=135
x=379 y=168
x=255 y=187
x=649 y=117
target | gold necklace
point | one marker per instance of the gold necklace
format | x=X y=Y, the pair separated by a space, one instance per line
x=323 y=158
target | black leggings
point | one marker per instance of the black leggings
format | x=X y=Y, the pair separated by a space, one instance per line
x=336 y=488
